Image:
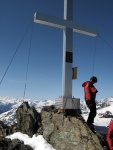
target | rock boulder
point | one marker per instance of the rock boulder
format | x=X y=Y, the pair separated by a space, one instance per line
x=28 y=119
x=67 y=132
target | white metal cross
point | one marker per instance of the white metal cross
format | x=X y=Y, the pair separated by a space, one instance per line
x=68 y=27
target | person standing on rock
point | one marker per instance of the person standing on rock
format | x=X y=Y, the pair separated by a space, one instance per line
x=90 y=95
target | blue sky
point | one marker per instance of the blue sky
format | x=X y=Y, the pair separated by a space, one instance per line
x=45 y=66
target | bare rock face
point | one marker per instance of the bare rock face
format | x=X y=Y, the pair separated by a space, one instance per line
x=28 y=119
x=7 y=144
x=67 y=132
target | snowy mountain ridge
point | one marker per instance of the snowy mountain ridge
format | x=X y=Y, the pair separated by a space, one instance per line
x=8 y=106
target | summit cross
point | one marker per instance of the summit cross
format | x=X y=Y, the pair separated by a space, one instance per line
x=68 y=27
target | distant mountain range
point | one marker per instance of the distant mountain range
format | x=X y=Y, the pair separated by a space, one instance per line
x=8 y=106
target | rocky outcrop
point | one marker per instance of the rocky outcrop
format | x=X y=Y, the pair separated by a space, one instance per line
x=64 y=130
x=28 y=119
x=68 y=132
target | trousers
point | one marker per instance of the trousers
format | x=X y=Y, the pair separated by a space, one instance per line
x=92 y=107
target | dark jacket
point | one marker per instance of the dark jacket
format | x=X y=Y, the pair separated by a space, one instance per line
x=89 y=90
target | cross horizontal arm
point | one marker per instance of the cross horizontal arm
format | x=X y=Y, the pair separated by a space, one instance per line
x=62 y=23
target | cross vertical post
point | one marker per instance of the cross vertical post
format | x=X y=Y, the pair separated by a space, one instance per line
x=67 y=52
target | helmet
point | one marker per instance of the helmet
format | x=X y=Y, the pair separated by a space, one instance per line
x=94 y=79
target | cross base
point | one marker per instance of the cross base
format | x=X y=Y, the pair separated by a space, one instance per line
x=68 y=103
